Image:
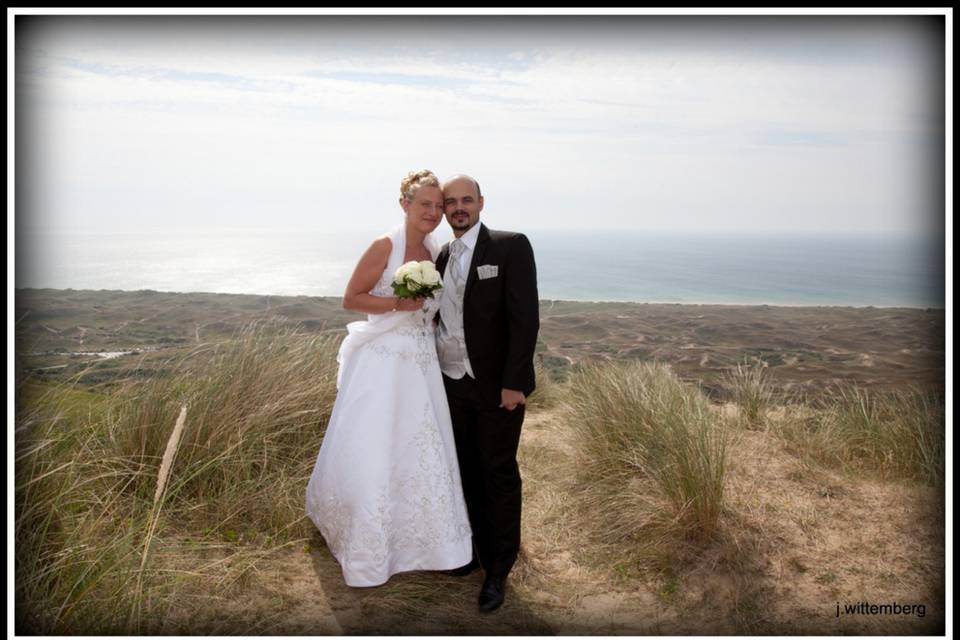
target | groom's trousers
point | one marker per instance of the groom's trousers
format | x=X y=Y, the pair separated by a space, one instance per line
x=487 y=438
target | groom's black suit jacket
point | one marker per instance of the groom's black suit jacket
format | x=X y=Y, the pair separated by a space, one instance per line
x=501 y=314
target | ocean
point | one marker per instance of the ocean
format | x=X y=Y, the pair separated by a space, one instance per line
x=706 y=268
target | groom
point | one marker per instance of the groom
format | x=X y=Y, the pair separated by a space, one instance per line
x=488 y=323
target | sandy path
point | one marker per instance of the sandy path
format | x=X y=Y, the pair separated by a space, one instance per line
x=798 y=540
x=301 y=590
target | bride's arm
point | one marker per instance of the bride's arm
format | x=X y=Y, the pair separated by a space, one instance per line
x=364 y=278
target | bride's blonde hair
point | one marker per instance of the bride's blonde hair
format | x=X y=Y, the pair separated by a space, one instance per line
x=416 y=179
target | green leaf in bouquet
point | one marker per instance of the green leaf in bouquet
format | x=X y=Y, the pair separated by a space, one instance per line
x=401 y=290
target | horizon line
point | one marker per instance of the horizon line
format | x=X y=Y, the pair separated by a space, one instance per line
x=541 y=300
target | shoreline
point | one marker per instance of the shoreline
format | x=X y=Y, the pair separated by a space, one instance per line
x=783 y=305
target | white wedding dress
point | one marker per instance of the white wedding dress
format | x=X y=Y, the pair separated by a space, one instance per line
x=385 y=491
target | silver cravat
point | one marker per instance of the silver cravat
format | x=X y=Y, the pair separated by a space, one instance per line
x=456 y=268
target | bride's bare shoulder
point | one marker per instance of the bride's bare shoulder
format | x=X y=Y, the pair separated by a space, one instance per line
x=379 y=250
x=381 y=244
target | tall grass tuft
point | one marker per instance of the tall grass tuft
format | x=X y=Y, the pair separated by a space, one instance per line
x=751 y=390
x=95 y=553
x=548 y=393
x=74 y=539
x=654 y=455
x=895 y=434
x=163 y=475
x=259 y=405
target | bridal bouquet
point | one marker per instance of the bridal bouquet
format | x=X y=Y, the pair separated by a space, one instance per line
x=416 y=280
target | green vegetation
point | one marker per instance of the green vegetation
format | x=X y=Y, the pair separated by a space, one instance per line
x=654 y=456
x=99 y=551
x=894 y=434
x=751 y=390
x=549 y=390
x=89 y=523
x=257 y=407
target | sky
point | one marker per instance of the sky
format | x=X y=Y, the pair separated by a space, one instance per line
x=643 y=122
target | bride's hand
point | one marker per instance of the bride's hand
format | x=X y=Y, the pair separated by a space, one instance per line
x=409 y=304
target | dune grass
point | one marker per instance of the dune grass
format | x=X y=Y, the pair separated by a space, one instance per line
x=654 y=456
x=97 y=499
x=258 y=406
x=891 y=434
x=549 y=391
x=75 y=540
x=751 y=390
x=118 y=494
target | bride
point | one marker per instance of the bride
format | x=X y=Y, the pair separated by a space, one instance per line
x=385 y=491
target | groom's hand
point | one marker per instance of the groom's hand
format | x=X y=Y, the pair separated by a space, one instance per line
x=509 y=399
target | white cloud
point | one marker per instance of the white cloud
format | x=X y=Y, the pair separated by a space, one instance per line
x=152 y=124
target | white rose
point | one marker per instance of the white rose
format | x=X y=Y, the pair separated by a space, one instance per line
x=415 y=273
x=430 y=274
x=407 y=271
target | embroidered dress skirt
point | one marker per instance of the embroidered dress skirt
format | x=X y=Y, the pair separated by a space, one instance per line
x=385 y=491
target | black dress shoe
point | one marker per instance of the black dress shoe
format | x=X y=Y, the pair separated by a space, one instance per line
x=491 y=595
x=466 y=569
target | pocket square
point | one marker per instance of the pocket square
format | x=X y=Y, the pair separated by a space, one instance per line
x=485 y=271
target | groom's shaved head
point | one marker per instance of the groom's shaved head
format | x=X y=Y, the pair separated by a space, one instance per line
x=462 y=203
x=462 y=176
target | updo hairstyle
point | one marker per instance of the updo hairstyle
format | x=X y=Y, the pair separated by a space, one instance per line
x=414 y=180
